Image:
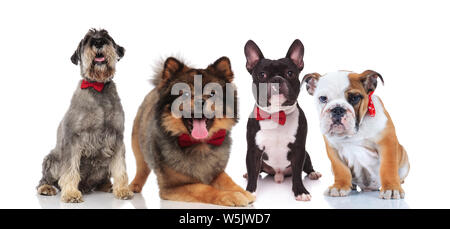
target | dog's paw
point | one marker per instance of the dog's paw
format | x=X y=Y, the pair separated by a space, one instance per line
x=337 y=191
x=250 y=196
x=314 y=175
x=232 y=199
x=392 y=193
x=123 y=193
x=303 y=197
x=47 y=190
x=71 y=197
x=279 y=178
x=136 y=188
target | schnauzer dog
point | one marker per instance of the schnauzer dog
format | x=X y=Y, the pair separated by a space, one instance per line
x=89 y=148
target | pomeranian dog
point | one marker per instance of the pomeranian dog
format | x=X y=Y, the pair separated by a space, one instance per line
x=182 y=132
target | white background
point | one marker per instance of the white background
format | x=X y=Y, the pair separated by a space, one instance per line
x=406 y=41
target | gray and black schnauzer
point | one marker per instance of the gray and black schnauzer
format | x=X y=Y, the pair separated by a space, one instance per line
x=90 y=148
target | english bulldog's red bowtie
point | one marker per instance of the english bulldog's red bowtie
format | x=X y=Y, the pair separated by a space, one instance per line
x=371 y=107
x=96 y=85
x=279 y=117
x=185 y=140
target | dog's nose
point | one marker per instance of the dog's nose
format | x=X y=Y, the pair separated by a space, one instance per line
x=337 y=112
x=278 y=85
x=276 y=80
x=198 y=107
x=98 y=42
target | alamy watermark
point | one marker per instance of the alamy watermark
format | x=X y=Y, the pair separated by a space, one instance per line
x=208 y=100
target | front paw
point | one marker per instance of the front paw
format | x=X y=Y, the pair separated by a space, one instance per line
x=301 y=194
x=338 y=190
x=46 y=190
x=250 y=196
x=303 y=197
x=232 y=199
x=392 y=193
x=73 y=196
x=123 y=193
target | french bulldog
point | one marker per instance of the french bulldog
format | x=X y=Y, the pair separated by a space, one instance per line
x=359 y=134
x=276 y=131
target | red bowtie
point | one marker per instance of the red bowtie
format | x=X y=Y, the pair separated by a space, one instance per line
x=279 y=117
x=371 y=106
x=185 y=140
x=96 y=85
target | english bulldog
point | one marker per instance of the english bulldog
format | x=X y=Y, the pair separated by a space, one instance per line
x=359 y=134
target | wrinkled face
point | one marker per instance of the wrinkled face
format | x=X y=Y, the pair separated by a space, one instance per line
x=342 y=100
x=97 y=54
x=197 y=102
x=275 y=82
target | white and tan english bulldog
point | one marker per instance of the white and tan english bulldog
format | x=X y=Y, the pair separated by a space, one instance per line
x=359 y=134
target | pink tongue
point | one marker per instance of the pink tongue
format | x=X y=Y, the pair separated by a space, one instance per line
x=199 y=130
x=99 y=59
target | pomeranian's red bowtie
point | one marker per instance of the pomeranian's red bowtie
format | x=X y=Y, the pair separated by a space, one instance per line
x=96 y=85
x=279 y=117
x=185 y=140
x=371 y=106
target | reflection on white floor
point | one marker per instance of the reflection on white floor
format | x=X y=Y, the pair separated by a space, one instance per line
x=269 y=195
x=96 y=200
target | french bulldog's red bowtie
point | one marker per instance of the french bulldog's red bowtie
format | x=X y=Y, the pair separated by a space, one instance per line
x=185 y=140
x=96 y=85
x=371 y=107
x=279 y=117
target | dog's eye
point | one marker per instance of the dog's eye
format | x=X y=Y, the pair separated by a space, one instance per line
x=262 y=75
x=323 y=99
x=212 y=93
x=354 y=99
x=290 y=73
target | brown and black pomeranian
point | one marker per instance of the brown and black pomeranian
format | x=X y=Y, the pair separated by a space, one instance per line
x=189 y=153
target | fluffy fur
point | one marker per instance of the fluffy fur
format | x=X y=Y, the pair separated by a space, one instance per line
x=89 y=147
x=194 y=173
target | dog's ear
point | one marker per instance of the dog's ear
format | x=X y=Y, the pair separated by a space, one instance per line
x=171 y=67
x=295 y=53
x=120 y=51
x=253 y=55
x=222 y=67
x=311 y=80
x=369 y=80
x=75 y=58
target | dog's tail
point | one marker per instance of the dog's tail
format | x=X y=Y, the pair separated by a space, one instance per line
x=142 y=169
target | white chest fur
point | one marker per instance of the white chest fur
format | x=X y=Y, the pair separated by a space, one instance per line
x=360 y=152
x=274 y=139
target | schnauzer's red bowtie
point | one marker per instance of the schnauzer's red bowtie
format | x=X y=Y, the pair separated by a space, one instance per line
x=96 y=85
x=217 y=139
x=279 y=117
x=371 y=106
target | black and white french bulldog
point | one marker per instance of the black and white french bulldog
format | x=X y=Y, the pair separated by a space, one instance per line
x=276 y=132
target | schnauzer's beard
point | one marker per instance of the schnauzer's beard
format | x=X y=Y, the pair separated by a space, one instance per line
x=93 y=71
